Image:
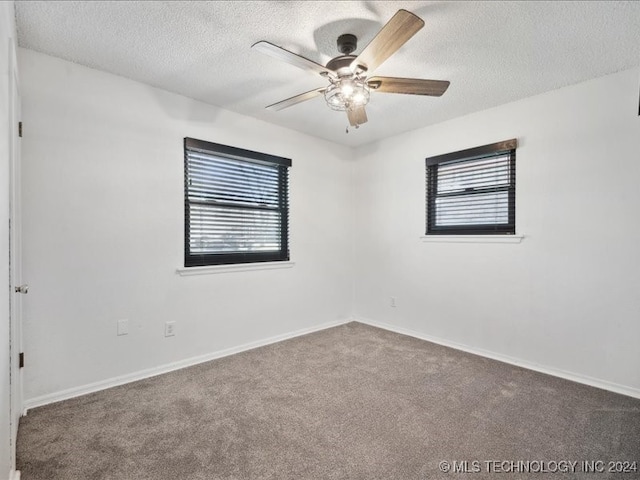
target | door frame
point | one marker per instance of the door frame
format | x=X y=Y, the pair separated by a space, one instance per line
x=15 y=252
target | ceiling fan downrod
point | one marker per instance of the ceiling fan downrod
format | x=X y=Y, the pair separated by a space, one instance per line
x=347 y=43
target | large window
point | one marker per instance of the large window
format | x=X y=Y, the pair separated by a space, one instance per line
x=473 y=191
x=236 y=205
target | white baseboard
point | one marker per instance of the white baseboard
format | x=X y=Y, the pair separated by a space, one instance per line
x=574 y=377
x=152 y=372
x=14 y=475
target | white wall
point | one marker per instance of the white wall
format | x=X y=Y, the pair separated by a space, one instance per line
x=103 y=230
x=565 y=299
x=103 y=219
x=7 y=33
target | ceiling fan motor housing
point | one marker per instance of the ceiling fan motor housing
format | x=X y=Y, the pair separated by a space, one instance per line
x=341 y=65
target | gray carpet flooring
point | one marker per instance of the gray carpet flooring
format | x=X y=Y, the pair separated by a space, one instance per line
x=351 y=402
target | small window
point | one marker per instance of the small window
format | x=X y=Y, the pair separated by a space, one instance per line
x=236 y=205
x=473 y=191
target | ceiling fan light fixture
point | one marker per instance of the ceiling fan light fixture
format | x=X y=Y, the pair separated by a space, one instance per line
x=347 y=93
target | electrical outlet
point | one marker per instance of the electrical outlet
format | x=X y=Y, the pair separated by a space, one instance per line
x=123 y=327
x=169 y=329
x=394 y=301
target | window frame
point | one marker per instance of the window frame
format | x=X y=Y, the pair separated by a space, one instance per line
x=249 y=156
x=471 y=154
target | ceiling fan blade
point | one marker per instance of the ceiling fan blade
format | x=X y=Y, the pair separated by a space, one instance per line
x=412 y=86
x=402 y=26
x=357 y=116
x=290 y=57
x=297 y=99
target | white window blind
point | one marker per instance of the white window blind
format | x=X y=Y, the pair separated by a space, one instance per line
x=236 y=205
x=472 y=191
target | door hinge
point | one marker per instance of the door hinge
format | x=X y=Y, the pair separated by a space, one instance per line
x=20 y=129
x=21 y=360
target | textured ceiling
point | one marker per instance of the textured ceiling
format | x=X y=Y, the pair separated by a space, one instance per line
x=492 y=52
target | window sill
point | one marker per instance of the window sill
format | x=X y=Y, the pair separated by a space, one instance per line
x=238 y=267
x=472 y=238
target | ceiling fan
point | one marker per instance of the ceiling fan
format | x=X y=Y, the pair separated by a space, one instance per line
x=348 y=75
